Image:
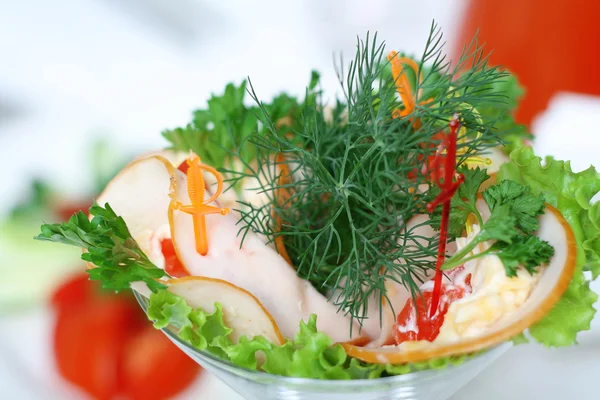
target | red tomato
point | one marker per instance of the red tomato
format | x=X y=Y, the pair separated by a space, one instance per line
x=88 y=341
x=173 y=265
x=170 y=369
x=104 y=344
x=415 y=323
x=183 y=167
x=453 y=275
x=72 y=293
x=468 y=280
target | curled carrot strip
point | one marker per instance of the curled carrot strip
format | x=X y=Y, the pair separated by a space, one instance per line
x=403 y=85
x=409 y=99
x=401 y=80
x=281 y=195
x=199 y=207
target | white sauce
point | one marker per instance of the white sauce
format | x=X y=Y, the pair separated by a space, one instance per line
x=153 y=239
x=493 y=296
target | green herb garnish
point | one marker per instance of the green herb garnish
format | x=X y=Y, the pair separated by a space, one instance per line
x=357 y=171
x=354 y=177
x=464 y=201
x=119 y=260
x=511 y=224
x=227 y=123
x=571 y=193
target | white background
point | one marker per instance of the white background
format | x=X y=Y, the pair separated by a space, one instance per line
x=74 y=70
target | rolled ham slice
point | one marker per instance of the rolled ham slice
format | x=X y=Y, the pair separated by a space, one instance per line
x=255 y=267
x=142 y=192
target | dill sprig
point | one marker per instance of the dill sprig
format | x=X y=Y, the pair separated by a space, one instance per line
x=354 y=173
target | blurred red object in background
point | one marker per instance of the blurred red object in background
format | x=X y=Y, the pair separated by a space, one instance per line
x=104 y=344
x=550 y=45
x=66 y=210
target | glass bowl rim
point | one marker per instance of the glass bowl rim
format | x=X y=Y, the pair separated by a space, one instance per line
x=255 y=375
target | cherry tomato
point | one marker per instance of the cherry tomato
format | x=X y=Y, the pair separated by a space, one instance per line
x=73 y=292
x=170 y=369
x=88 y=341
x=104 y=344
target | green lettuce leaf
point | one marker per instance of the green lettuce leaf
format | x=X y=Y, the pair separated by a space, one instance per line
x=312 y=354
x=571 y=194
x=520 y=339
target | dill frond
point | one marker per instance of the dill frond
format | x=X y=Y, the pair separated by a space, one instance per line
x=355 y=172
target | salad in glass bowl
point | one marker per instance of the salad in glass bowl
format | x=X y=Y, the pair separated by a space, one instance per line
x=400 y=236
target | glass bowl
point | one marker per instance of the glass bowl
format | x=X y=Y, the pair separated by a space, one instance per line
x=434 y=384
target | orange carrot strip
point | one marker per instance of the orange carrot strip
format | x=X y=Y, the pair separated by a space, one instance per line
x=199 y=207
x=402 y=84
x=282 y=195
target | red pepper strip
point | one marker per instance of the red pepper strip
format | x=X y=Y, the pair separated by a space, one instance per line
x=173 y=265
x=184 y=166
x=448 y=187
x=446 y=196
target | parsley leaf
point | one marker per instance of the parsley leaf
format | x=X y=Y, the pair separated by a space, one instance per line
x=571 y=193
x=225 y=126
x=524 y=205
x=500 y=226
x=513 y=219
x=109 y=246
x=218 y=129
x=527 y=251
x=464 y=201
x=474 y=178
